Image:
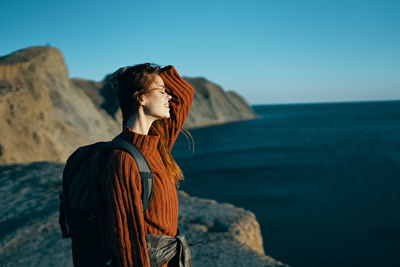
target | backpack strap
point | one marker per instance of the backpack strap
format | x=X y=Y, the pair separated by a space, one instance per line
x=143 y=166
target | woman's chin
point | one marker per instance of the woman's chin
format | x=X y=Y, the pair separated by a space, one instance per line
x=168 y=114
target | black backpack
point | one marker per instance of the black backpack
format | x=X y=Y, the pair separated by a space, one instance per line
x=82 y=213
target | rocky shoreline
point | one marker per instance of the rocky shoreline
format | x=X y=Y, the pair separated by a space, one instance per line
x=30 y=234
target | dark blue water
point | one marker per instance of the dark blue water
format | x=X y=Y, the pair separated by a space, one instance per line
x=322 y=179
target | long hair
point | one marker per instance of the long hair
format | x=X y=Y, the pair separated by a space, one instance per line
x=132 y=82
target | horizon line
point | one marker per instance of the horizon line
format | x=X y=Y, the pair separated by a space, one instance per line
x=327 y=102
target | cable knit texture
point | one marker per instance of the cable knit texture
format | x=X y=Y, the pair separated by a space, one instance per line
x=122 y=184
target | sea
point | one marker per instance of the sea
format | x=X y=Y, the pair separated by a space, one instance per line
x=322 y=179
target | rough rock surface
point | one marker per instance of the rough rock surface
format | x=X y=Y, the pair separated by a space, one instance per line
x=45 y=114
x=30 y=235
x=230 y=236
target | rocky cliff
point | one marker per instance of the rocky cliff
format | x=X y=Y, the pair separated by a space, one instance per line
x=44 y=115
x=30 y=235
x=212 y=105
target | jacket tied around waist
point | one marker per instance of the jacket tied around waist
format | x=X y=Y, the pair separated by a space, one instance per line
x=162 y=248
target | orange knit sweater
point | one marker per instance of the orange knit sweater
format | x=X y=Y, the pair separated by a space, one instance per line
x=122 y=183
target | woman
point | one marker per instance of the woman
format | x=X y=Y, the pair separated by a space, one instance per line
x=154 y=103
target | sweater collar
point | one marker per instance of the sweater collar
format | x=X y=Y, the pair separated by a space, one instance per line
x=146 y=143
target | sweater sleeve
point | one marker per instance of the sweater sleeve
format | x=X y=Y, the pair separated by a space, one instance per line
x=182 y=96
x=122 y=185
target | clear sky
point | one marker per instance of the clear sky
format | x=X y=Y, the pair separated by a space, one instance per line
x=271 y=51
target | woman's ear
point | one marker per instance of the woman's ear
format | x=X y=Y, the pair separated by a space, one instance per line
x=139 y=98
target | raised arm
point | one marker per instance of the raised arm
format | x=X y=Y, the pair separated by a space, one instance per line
x=122 y=185
x=182 y=96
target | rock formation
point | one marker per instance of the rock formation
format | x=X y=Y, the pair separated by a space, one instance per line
x=30 y=234
x=45 y=116
x=211 y=105
x=42 y=115
x=230 y=236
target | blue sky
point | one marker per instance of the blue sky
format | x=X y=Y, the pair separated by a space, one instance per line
x=271 y=51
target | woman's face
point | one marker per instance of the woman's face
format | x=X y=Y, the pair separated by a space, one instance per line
x=156 y=100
